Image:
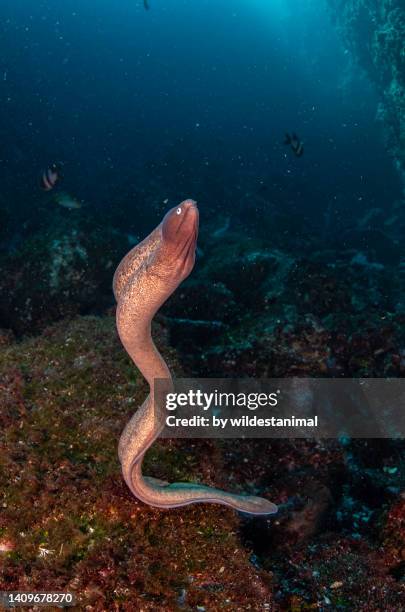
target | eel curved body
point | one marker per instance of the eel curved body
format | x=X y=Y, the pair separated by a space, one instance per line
x=143 y=281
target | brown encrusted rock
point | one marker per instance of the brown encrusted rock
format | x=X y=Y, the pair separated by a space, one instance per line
x=374 y=32
x=68 y=521
x=6 y=337
x=61 y=271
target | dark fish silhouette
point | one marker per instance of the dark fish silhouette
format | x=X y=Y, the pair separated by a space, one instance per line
x=146 y=5
x=50 y=177
x=295 y=143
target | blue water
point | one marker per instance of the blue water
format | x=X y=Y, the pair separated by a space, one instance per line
x=188 y=99
x=298 y=273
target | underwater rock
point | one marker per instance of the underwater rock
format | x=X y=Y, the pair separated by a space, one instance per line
x=374 y=32
x=186 y=334
x=247 y=268
x=353 y=575
x=305 y=521
x=4 y=224
x=60 y=271
x=195 y=301
x=196 y=315
x=6 y=337
x=375 y=244
x=270 y=314
x=394 y=538
x=68 y=520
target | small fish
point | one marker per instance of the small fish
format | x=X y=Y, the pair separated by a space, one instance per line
x=146 y=5
x=50 y=177
x=64 y=199
x=295 y=143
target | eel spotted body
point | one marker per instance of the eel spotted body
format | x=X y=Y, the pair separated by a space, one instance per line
x=143 y=281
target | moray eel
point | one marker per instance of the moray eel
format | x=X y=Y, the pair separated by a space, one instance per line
x=143 y=281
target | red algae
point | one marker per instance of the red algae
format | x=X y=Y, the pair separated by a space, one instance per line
x=68 y=522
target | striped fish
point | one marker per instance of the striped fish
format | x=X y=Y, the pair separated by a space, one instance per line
x=50 y=177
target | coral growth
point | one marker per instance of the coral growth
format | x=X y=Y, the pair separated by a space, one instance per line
x=68 y=521
x=56 y=273
x=374 y=31
x=295 y=315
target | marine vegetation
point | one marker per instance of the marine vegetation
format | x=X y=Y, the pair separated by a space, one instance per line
x=374 y=33
x=68 y=520
x=299 y=272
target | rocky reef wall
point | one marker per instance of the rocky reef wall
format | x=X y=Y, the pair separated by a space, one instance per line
x=374 y=32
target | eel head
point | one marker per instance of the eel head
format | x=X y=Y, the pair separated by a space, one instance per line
x=179 y=236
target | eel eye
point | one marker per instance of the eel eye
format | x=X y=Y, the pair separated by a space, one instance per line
x=178 y=211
